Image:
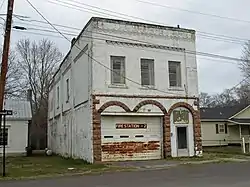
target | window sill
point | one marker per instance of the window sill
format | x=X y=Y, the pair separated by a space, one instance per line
x=148 y=88
x=176 y=88
x=121 y=86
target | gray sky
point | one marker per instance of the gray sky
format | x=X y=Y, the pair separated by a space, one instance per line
x=215 y=75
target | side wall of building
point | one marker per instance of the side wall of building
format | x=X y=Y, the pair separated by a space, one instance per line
x=210 y=137
x=17 y=137
x=70 y=132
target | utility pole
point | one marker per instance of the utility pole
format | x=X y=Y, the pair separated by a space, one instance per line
x=4 y=68
x=5 y=56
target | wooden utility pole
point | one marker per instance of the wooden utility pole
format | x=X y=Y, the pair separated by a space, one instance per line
x=5 y=56
x=4 y=69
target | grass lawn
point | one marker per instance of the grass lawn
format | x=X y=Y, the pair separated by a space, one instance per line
x=22 y=167
x=224 y=150
x=215 y=154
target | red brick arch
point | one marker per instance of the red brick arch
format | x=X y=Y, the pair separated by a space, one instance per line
x=114 y=103
x=150 y=102
x=196 y=122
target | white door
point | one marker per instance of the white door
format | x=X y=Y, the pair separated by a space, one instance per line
x=131 y=138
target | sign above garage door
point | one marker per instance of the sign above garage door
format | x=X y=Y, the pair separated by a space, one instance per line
x=130 y=126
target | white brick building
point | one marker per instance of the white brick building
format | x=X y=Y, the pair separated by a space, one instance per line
x=126 y=91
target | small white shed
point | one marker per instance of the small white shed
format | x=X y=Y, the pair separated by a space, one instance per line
x=17 y=127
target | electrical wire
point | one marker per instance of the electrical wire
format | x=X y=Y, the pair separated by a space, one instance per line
x=98 y=61
x=87 y=53
x=81 y=8
x=210 y=55
x=1 y=6
x=191 y=56
x=193 y=12
x=234 y=87
x=199 y=53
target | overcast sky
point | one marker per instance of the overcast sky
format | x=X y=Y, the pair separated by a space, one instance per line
x=215 y=75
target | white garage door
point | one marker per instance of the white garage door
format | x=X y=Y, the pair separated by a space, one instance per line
x=131 y=138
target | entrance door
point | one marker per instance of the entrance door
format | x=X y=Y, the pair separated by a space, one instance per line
x=182 y=141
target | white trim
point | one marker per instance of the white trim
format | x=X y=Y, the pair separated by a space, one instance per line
x=231 y=121
x=239 y=112
x=214 y=120
x=130 y=114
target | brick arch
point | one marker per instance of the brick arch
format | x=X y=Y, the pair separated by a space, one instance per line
x=196 y=122
x=184 y=105
x=113 y=103
x=150 y=102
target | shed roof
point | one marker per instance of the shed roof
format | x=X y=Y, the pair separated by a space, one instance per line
x=21 y=109
x=221 y=112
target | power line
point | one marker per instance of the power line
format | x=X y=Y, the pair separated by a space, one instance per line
x=103 y=39
x=234 y=87
x=193 y=12
x=202 y=33
x=187 y=51
x=42 y=34
x=85 y=52
x=81 y=8
x=1 y=6
x=91 y=56
x=39 y=34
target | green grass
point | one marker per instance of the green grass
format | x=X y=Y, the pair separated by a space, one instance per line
x=21 y=167
x=227 y=151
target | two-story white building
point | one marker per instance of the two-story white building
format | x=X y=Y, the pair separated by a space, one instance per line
x=126 y=91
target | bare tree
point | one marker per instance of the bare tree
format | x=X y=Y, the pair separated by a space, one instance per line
x=14 y=79
x=226 y=98
x=38 y=61
x=243 y=94
x=205 y=99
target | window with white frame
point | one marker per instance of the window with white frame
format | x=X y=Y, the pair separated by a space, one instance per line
x=118 y=70
x=221 y=128
x=58 y=97
x=174 y=68
x=147 y=72
x=67 y=91
x=4 y=137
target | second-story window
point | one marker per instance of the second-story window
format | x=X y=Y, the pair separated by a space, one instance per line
x=147 y=72
x=174 y=69
x=58 y=95
x=118 y=70
x=67 y=90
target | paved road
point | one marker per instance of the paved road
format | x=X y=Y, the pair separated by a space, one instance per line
x=212 y=175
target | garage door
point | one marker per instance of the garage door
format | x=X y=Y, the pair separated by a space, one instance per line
x=131 y=138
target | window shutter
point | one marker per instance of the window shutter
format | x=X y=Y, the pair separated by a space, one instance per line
x=217 y=128
x=226 y=128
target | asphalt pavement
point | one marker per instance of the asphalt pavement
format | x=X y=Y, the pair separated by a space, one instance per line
x=205 y=175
